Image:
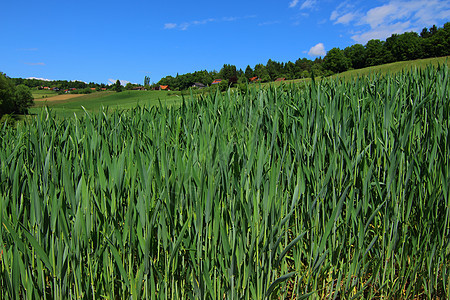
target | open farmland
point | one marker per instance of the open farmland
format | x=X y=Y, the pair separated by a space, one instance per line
x=57 y=98
x=42 y=94
x=329 y=190
x=97 y=101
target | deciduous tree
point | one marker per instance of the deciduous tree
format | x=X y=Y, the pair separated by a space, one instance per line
x=14 y=100
x=336 y=61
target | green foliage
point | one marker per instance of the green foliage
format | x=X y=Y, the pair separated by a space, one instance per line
x=242 y=79
x=228 y=71
x=14 y=100
x=275 y=69
x=328 y=190
x=262 y=73
x=406 y=46
x=81 y=91
x=224 y=85
x=357 y=56
x=118 y=86
x=336 y=61
x=147 y=81
x=249 y=72
x=60 y=84
x=24 y=98
x=377 y=54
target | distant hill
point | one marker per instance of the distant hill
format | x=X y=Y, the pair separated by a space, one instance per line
x=396 y=67
x=384 y=69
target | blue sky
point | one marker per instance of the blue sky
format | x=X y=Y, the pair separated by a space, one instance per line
x=101 y=41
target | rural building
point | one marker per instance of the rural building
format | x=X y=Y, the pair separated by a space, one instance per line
x=139 y=88
x=164 y=88
x=198 y=85
x=216 y=81
x=254 y=79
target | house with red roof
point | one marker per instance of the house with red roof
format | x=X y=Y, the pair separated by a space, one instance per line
x=216 y=81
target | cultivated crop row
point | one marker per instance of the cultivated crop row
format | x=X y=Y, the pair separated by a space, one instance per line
x=330 y=190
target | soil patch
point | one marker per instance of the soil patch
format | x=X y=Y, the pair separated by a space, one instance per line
x=59 y=98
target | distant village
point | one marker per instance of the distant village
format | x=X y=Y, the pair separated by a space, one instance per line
x=154 y=87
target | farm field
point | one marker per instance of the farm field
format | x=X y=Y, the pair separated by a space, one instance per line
x=112 y=100
x=396 y=67
x=65 y=106
x=327 y=189
x=42 y=94
x=57 y=98
x=383 y=69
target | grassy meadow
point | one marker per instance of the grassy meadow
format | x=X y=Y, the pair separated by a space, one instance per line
x=391 y=68
x=43 y=94
x=396 y=67
x=129 y=99
x=329 y=189
x=97 y=101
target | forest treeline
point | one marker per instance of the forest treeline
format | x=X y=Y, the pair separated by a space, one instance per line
x=433 y=42
x=58 y=84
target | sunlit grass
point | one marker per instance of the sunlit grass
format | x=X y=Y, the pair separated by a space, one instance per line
x=328 y=190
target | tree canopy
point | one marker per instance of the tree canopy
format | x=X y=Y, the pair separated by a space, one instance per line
x=14 y=99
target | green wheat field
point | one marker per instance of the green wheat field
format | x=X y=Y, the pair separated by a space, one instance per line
x=329 y=189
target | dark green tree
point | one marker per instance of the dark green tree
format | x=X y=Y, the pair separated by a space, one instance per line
x=14 y=100
x=336 y=61
x=242 y=79
x=23 y=98
x=406 y=46
x=274 y=69
x=357 y=55
x=146 y=81
x=117 y=86
x=261 y=72
x=228 y=71
x=302 y=67
x=377 y=54
x=290 y=70
x=249 y=72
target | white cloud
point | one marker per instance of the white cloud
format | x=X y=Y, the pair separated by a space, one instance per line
x=381 y=32
x=268 y=23
x=317 y=50
x=113 y=81
x=35 y=64
x=308 y=4
x=347 y=18
x=395 y=16
x=293 y=3
x=43 y=79
x=186 y=25
x=170 y=25
x=228 y=19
